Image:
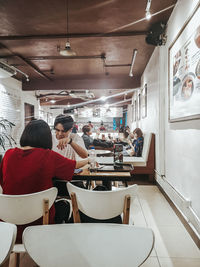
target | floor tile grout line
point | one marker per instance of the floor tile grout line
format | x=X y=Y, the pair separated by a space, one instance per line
x=148 y=226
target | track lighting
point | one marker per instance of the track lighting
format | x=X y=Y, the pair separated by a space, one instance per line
x=148 y=14
x=132 y=63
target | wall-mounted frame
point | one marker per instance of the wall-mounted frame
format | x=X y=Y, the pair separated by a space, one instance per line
x=134 y=110
x=144 y=102
x=184 y=71
x=139 y=106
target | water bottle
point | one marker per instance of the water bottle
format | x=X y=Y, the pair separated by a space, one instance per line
x=92 y=156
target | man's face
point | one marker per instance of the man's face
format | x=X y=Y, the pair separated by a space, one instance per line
x=60 y=133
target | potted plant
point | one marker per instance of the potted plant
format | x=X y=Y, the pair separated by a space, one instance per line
x=5 y=137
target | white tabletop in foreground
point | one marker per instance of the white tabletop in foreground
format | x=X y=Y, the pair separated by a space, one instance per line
x=91 y=245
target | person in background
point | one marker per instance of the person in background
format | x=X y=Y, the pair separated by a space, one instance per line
x=66 y=143
x=125 y=138
x=102 y=128
x=88 y=140
x=69 y=145
x=75 y=128
x=90 y=124
x=31 y=168
x=137 y=144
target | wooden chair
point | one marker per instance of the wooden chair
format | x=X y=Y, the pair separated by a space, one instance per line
x=87 y=244
x=8 y=233
x=101 y=205
x=24 y=209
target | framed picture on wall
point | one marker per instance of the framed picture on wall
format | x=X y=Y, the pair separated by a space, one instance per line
x=133 y=110
x=144 y=102
x=139 y=107
x=184 y=71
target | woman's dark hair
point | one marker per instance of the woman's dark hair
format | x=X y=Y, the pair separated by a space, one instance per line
x=86 y=129
x=126 y=134
x=37 y=134
x=66 y=121
x=138 y=131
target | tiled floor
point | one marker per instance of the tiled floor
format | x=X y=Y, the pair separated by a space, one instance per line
x=173 y=245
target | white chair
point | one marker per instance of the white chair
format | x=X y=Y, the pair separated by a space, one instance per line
x=101 y=205
x=23 y=209
x=8 y=233
x=88 y=245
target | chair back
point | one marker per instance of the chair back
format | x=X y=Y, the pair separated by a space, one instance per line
x=23 y=209
x=8 y=233
x=146 y=146
x=108 y=245
x=102 y=205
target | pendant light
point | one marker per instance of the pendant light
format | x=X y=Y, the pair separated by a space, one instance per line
x=67 y=51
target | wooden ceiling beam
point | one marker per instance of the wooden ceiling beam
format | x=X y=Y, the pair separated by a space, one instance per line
x=124 y=82
x=71 y=35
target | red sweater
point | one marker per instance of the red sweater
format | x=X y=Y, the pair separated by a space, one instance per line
x=32 y=170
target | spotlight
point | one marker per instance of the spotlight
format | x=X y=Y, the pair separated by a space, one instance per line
x=148 y=15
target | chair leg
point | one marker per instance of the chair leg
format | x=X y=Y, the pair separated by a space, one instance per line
x=93 y=184
x=6 y=263
x=116 y=183
x=126 y=211
x=45 y=211
x=17 y=259
x=76 y=215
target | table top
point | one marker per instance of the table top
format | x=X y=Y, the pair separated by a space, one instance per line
x=99 y=152
x=87 y=172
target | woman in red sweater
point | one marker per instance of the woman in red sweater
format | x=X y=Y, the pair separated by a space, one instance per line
x=30 y=169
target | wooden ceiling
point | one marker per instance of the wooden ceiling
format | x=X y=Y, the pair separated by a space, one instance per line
x=102 y=33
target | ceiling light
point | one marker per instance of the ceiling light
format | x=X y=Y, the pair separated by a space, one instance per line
x=103 y=98
x=148 y=14
x=8 y=71
x=67 y=51
x=132 y=63
x=53 y=101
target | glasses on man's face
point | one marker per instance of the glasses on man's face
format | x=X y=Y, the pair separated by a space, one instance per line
x=60 y=131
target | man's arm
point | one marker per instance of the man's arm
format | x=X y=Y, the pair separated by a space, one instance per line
x=82 y=152
x=76 y=143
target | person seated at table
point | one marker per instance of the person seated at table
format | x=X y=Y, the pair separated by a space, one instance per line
x=103 y=137
x=102 y=128
x=75 y=128
x=69 y=145
x=97 y=135
x=66 y=143
x=31 y=168
x=125 y=138
x=88 y=140
x=110 y=137
x=136 y=146
x=90 y=124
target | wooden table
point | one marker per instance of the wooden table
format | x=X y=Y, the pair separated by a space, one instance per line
x=105 y=176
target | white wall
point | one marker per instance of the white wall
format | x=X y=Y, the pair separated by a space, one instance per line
x=178 y=143
x=12 y=100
